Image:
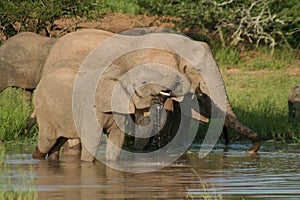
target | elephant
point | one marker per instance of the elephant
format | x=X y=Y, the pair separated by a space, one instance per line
x=169 y=130
x=53 y=98
x=294 y=103
x=22 y=58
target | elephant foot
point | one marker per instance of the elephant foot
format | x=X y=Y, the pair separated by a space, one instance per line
x=112 y=152
x=37 y=154
x=86 y=155
x=111 y=156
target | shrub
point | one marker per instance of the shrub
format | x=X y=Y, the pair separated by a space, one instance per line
x=35 y=16
x=232 y=22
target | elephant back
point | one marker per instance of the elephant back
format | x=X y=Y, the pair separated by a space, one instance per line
x=75 y=46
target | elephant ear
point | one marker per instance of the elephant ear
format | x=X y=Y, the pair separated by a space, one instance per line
x=106 y=84
x=123 y=91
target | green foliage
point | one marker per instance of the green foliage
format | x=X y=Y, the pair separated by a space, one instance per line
x=232 y=22
x=35 y=16
x=229 y=23
x=228 y=57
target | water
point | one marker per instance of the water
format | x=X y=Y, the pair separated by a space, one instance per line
x=231 y=174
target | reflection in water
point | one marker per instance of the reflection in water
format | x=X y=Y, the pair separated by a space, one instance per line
x=228 y=175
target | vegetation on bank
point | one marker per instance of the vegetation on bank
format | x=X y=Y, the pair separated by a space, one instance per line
x=244 y=36
x=231 y=23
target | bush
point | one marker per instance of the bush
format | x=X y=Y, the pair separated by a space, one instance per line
x=35 y=16
x=232 y=22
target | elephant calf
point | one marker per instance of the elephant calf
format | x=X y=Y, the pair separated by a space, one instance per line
x=294 y=103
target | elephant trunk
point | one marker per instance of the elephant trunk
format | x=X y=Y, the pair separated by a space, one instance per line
x=232 y=121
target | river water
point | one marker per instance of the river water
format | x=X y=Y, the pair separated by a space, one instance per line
x=274 y=173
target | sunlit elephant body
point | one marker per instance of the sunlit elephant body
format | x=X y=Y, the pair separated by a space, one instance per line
x=294 y=103
x=22 y=58
x=53 y=105
x=53 y=99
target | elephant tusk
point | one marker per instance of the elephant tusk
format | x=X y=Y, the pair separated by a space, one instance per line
x=165 y=94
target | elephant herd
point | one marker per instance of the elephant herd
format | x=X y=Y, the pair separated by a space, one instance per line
x=164 y=106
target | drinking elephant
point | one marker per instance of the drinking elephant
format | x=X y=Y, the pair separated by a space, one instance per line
x=22 y=58
x=294 y=103
x=182 y=82
x=171 y=126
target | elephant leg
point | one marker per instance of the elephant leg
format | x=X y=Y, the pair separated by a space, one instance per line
x=28 y=94
x=225 y=134
x=72 y=147
x=182 y=130
x=116 y=137
x=46 y=140
x=142 y=133
x=86 y=155
x=53 y=154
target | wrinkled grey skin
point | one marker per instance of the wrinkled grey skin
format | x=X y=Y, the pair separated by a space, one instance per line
x=22 y=59
x=170 y=125
x=53 y=98
x=55 y=91
x=294 y=103
x=170 y=121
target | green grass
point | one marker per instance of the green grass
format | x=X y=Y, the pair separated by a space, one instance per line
x=257 y=59
x=259 y=99
x=14 y=110
x=123 y=6
x=208 y=191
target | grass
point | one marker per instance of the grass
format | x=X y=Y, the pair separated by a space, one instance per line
x=207 y=190
x=256 y=59
x=259 y=99
x=14 y=110
x=124 y=6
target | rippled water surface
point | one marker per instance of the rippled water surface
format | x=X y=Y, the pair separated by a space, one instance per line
x=230 y=174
